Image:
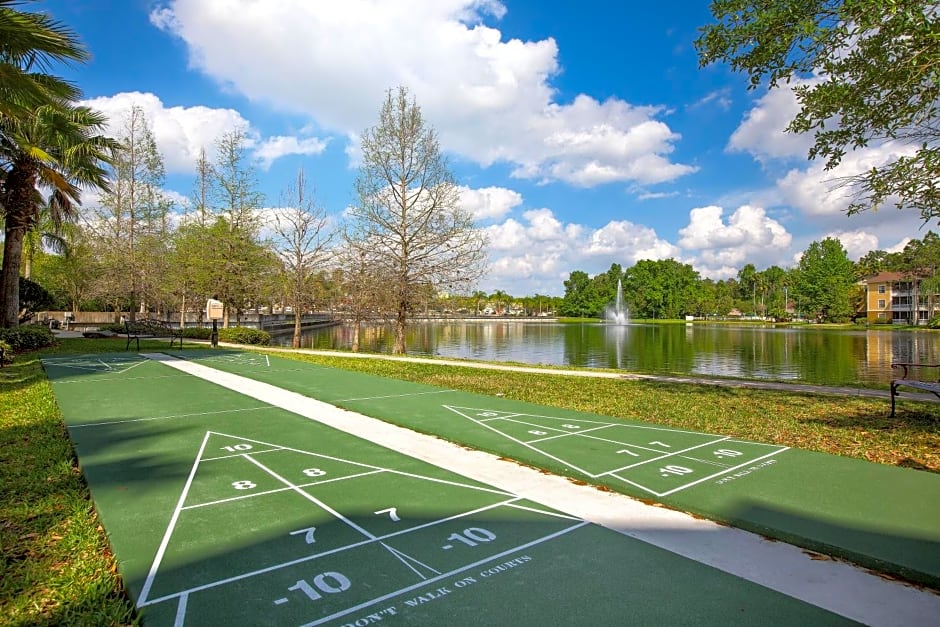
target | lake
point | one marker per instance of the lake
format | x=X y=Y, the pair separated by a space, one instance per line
x=806 y=354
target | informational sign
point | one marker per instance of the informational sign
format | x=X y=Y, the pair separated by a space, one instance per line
x=213 y=309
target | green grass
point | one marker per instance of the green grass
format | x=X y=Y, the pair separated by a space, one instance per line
x=55 y=564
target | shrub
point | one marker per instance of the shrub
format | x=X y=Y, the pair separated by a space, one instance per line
x=33 y=297
x=115 y=327
x=7 y=351
x=27 y=337
x=197 y=333
x=934 y=323
x=245 y=335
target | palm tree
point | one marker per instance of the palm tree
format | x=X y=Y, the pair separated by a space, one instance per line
x=29 y=44
x=500 y=297
x=58 y=148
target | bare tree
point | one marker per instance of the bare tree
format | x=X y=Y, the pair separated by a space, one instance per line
x=131 y=225
x=364 y=287
x=409 y=211
x=302 y=241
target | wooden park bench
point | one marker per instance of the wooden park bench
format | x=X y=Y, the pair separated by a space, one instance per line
x=151 y=329
x=928 y=386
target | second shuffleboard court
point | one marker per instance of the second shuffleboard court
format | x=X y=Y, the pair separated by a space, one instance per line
x=657 y=460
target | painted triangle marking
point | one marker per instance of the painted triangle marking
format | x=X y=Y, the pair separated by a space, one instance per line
x=411 y=562
x=95 y=363
x=465 y=412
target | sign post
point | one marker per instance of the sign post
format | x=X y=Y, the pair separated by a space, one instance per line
x=214 y=312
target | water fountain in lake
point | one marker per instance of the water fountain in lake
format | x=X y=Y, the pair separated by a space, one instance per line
x=618 y=313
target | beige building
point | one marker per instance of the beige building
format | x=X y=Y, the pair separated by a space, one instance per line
x=896 y=297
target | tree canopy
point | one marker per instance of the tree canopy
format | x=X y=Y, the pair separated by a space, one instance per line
x=866 y=72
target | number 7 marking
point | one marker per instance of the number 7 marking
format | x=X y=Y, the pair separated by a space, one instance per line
x=391 y=511
x=309 y=534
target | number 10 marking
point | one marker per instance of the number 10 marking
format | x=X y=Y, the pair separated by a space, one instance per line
x=340 y=583
x=472 y=536
x=665 y=471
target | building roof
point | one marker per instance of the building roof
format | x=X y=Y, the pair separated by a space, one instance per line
x=886 y=277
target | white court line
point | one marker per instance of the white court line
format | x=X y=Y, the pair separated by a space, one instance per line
x=518 y=441
x=599 y=439
x=316 y=556
x=181 y=611
x=562 y=434
x=373 y=398
x=625 y=425
x=721 y=472
x=111 y=380
x=391 y=470
x=273 y=449
x=311 y=498
x=725 y=471
x=489 y=418
x=204 y=413
x=92 y=366
x=285 y=489
x=661 y=457
x=420 y=584
x=407 y=560
x=169 y=528
x=710 y=462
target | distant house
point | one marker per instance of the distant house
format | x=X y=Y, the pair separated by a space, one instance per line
x=897 y=297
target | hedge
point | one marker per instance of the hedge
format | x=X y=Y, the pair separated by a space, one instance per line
x=27 y=337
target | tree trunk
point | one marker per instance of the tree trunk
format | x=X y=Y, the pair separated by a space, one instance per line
x=10 y=281
x=19 y=204
x=357 y=327
x=296 y=342
x=400 y=321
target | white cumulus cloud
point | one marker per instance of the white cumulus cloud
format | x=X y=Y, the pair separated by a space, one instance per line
x=761 y=133
x=489 y=97
x=182 y=132
x=489 y=202
x=537 y=252
x=720 y=248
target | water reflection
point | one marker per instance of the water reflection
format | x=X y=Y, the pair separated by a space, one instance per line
x=807 y=354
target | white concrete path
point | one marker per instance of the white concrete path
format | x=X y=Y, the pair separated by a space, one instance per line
x=837 y=586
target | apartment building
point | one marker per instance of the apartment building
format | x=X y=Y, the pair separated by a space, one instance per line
x=897 y=297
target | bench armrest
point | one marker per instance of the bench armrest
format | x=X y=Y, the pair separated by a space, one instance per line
x=906 y=365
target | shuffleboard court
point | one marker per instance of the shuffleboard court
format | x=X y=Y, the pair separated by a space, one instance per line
x=883 y=517
x=222 y=510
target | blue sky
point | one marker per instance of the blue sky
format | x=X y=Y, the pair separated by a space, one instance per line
x=581 y=133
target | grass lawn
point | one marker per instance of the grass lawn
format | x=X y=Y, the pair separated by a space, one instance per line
x=55 y=564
